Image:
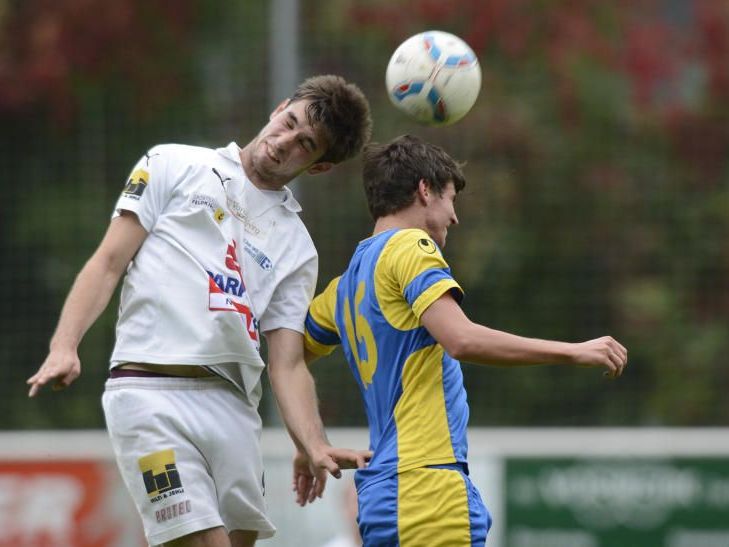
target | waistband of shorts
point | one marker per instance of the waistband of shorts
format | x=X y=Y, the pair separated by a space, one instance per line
x=458 y=466
x=363 y=483
x=133 y=373
x=168 y=383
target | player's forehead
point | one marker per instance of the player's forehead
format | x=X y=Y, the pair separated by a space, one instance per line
x=299 y=115
x=449 y=189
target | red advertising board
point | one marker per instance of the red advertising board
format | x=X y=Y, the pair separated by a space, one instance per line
x=67 y=503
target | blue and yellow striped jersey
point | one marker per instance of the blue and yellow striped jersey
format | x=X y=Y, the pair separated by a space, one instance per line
x=413 y=391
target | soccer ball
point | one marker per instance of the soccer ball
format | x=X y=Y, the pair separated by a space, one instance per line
x=434 y=77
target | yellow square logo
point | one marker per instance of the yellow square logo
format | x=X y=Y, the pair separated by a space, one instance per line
x=159 y=472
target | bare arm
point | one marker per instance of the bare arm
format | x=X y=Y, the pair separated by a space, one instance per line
x=295 y=393
x=471 y=342
x=89 y=296
x=294 y=388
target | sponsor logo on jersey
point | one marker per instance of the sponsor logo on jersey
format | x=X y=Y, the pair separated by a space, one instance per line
x=236 y=208
x=209 y=202
x=137 y=184
x=258 y=256
x=150 y=156
x=226 y=292
x=241 y=214
x=160 y=476
x=221 y=178
x=426 y=246
x=203 y=200
x=227 y=284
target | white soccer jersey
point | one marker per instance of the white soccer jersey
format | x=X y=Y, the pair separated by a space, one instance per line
x=222 y=262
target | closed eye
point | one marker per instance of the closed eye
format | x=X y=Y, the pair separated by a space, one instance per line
x=307 y=144
x=291 y=120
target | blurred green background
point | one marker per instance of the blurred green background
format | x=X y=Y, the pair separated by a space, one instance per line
x=597 y=162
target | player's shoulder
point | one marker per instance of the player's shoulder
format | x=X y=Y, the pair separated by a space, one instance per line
x=332 y=285
x=297 y=237
x=182 y=153
x=413 y=240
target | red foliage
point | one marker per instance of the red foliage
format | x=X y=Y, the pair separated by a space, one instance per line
x=50 y=46
x=633 y=38
x=647 y=60
x=713 y=24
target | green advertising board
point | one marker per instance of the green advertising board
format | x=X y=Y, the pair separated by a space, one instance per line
x=636 y=502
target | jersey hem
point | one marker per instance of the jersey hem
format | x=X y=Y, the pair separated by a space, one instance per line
x=221 y=359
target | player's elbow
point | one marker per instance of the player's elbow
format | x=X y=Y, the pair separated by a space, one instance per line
x=457 y=346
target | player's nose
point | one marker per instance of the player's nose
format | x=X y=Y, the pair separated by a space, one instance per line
x=285 y=140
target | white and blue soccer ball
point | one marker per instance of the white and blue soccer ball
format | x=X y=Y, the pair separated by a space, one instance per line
x=434 y=77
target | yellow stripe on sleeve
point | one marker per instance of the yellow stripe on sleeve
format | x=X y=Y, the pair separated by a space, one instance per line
x=315 y=347
x=406 y=255
x=321 y=327
x=433 y=293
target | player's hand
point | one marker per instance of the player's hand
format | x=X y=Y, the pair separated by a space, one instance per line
x=311 y=472
x=602 y=352
x=304 y=479
x=347 y=458
x=60 y=367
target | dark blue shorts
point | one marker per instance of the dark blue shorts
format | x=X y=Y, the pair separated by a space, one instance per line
x=433 y=506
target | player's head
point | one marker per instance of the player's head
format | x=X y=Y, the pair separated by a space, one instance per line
x=409 y=174
x=326 y=121
x=341 y=110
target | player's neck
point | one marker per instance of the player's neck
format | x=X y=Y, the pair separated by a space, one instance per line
x=249 y=169
x=398 y=221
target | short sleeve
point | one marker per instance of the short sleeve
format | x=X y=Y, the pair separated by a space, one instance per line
x=148 y=188
x=419 y=270
x=321 y=335
x=290 y=300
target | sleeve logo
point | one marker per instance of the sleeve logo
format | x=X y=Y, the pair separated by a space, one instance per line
x=426 y=246
x=137 y=183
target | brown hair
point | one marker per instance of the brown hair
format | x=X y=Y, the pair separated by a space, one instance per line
x=393 y=170
x=341 y=109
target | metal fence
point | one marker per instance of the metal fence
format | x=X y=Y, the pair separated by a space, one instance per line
x=596 y=203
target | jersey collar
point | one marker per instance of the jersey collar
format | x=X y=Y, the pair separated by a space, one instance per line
x=284 y=197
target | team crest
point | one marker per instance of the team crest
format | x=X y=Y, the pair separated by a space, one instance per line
x=137 y=184
x=426 y=246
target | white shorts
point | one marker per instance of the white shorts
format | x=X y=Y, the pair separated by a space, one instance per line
x=189 y=452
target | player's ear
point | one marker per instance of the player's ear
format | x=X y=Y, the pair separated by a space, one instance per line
x=423 y=191
x=283 y=104
x=320 y=167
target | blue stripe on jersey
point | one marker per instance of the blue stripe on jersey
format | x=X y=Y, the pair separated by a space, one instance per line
x=424 y=280
x=455 y=397
x=378 y=353
x=321 y=335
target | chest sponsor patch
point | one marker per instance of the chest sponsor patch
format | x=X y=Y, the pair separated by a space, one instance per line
x=227 y=292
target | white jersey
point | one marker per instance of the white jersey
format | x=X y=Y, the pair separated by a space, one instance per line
x=222 y=262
